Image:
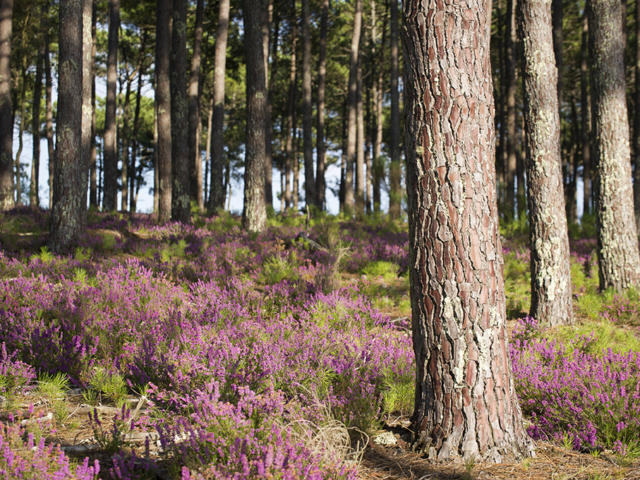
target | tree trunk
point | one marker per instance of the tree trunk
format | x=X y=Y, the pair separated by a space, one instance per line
x=360 y=153
x=6 y=108
x=110 y=193
x=125 y=142
x=93 y=179
x=511 y=89
x=551 y=300
x=34 y=187
x=585 y=118
x=180 y=161
x=207 y=155
x=307 y=109
x=49 y=117
x=22 y=104
x=163 y=105
x=618 y=259
x=556 y=19
x=254 y=214
x=69 y=179
x=636 y=121
x=395 y=169
x=87 y=84
x=136 y=127
x=290 y=138
x=352 y=106
x=216 y=184
x=465 y=401
x=194 y=112
x=378 y=163
x=320 y=140
x=268 y=157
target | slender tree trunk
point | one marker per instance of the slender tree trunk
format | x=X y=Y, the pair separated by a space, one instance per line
x=49 y=117
x=618 y=258
x=194 y=111
x=110 y=194
x=465 y=400
x=93 y=180
x=6 y=108
x=320 y=140
x=360 y=153
x=551 y=300
x=307 y=109
x=68 y=212
x=163 y=115
x=295 y=175
x=125 y=141
x=217 y=191
x=268 y=158
x=585 y=117
x=395 y=169
x=17 y=167
x=136 y=127
x=290 y=138
x=87 y=84
x=254 y=214
x=207 y=155
x=511 y=92
x=378 y=163
x=180 y=161
x=34 y=187
x=352 y=105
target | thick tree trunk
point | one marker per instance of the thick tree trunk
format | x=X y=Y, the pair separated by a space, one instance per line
x=110 y=193
x=254 y=214
x=49 y=117
x=551 y=300
x=87 y=84
x=352 y=106
x=511 y=89
x=307 y=109
x=216 y=183
x=636 y=121
x=320 y=140
x=180 y=161
x=34 y=187
x=163 y=105
x=69 y=179
x=93 y=179
x=6 y=109
x=556 y=19
x=618 y=259
x=195 y=171
x=395 y=169
x=465 y=402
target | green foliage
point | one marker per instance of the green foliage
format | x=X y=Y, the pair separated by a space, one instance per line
x=604 y=335
x=173 y=251
x=53 y=386
x=515 y=227
x=278 y=268
x=517 y=282
x=387 y=270
x=398 y=394
x=107 y=385
x=45 y=255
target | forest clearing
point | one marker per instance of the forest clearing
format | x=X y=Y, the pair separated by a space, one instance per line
x=319 y=239
x=273 y=359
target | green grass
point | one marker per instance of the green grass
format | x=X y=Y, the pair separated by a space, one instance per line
x=387 y=270
x=605 y=335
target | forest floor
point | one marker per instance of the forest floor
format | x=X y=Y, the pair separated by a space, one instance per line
x=204 y=352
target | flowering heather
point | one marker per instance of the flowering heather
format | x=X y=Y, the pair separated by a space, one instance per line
x=14 y=374
x=592 y=399
x=22 y=458
x=232 y=336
